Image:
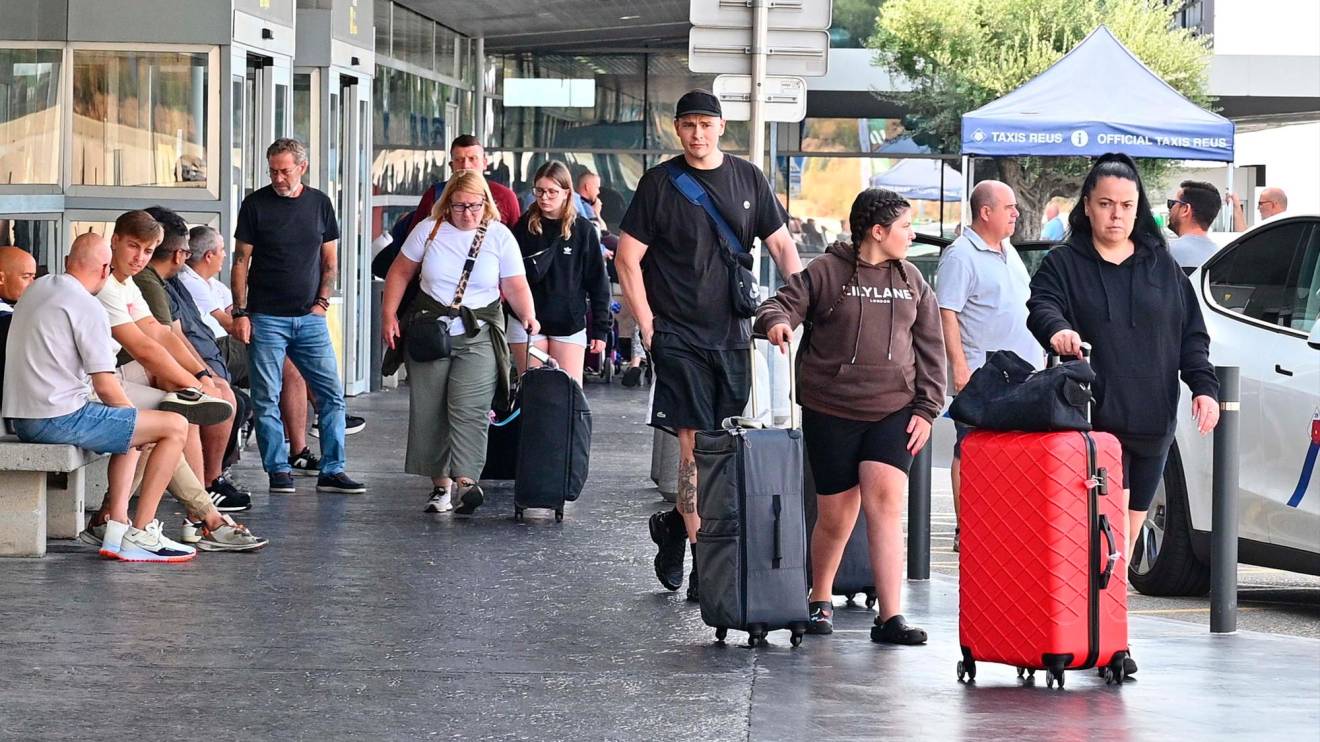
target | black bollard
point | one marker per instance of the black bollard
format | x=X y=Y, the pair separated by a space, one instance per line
x=918 y=527
x=1224 y=506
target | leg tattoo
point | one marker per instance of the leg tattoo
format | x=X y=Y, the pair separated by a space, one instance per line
x=687 y=487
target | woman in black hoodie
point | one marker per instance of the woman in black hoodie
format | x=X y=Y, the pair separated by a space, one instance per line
x=871 y=382
x=566 y=270
x=1115 y=285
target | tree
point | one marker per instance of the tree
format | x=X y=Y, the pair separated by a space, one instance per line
x=854 y=19
x=962 y=54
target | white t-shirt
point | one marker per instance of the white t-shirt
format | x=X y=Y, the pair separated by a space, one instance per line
x=123 y=303
x=224 y=297
x=60 y=334
x=442 y=263
x=202 y=295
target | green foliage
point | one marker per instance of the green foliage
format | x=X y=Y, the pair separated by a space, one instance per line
x=962 y=54
x=857 y=18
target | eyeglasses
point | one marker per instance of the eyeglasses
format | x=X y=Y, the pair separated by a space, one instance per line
x=459 y=208
x=547 y=191
x=1173 y=202
x=1263 y=202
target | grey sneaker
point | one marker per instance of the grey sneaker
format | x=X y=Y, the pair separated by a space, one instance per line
x=230 y=536
x=92 y=535
x=197 y=407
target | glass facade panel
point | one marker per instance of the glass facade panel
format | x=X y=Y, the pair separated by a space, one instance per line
x=410 y=131
x=35 y=236
x=302 y=107
x=140 y=118
x=414 y=39
x=384 y=29
x=30 y=115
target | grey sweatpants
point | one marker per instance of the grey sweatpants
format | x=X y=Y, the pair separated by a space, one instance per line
x=447 y=412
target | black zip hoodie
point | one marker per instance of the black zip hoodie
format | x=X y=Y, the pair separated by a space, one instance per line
x=576 y=275
x=1145 y=326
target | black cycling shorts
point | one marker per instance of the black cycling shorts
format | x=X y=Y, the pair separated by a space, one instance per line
x=696 y=388
x=836 y=447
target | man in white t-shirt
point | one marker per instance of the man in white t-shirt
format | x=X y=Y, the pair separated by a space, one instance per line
x=58 y=339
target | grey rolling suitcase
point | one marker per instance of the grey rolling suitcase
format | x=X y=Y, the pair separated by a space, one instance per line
x=752 y=545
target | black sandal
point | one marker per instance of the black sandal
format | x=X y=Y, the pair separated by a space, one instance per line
x=820 y=622
x=896 y=631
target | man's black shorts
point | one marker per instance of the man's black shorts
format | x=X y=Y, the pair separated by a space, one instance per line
x=694 y=387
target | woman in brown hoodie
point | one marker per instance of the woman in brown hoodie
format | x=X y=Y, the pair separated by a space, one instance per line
x=871 y=381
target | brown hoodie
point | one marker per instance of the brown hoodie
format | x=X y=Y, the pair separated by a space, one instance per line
x=874 y=352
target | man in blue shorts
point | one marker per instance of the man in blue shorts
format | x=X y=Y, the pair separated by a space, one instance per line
x=59 y=337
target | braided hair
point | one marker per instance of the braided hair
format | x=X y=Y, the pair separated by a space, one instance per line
x=871 y=207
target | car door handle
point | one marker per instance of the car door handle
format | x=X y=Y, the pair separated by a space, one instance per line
x=1281 y=370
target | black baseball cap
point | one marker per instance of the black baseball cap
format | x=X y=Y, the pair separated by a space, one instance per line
x=699 y=102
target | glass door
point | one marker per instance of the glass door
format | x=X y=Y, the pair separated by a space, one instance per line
x=353 y=171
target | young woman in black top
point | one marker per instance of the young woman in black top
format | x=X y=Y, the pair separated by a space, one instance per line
x=566 y=270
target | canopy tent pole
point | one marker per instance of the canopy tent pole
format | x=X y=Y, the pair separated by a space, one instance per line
x=1232 y=212
x=967 y=192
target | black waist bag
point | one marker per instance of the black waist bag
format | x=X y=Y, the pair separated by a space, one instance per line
x=1007 y=393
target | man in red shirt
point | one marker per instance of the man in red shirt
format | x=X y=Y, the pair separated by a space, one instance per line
x=466 y=153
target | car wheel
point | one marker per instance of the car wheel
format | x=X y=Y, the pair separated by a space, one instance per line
x=1163 y=562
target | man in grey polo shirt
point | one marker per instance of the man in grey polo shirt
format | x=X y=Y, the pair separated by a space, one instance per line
x=982 y=286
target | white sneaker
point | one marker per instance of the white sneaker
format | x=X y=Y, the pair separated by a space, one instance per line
x=112 y=538
x=441 y=500
x=230 y=536
x=150 y=545
x=197 y=407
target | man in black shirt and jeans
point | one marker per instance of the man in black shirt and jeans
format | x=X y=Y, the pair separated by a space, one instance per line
x=675 y=280
x=285 y=261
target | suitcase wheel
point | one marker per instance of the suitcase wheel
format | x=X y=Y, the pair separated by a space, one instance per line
x=517 y=513
x=1113 y=672
x=796 y=639
x=559 y=516
x=967 y=671
x=720 y=633
x=849 y=599
x=1053 y=677
x=756 y=637
x=870 y=601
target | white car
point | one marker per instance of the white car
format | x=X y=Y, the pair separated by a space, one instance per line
x=1260 y=295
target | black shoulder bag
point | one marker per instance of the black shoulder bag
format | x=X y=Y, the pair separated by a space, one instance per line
x=744 y=291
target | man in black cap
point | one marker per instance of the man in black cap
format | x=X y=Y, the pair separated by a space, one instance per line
x=674 y=272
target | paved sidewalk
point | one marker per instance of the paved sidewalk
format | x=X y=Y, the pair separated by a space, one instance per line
x=367 y=619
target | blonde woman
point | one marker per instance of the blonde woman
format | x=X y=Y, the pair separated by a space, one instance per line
x=450 y=396
x=566 y=270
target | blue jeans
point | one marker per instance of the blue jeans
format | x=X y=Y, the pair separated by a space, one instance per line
x=306 y=341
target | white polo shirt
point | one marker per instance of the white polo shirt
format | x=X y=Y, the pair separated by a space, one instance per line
x=123 y=303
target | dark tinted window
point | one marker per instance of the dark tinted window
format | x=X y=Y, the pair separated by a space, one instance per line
x=1258 y=278
x=1307 y=294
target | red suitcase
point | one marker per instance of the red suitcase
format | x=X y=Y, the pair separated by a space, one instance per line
x=1043 y=577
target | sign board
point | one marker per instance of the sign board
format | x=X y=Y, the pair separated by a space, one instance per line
x=728 y=51
x=803 y=15
x=785 y=97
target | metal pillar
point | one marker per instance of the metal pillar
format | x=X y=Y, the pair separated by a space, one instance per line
x=965 y=217
x=1224 y=506
x=918 y=528
x=479 y=92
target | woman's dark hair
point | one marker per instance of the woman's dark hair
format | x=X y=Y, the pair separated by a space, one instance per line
x=871 y=207
x=1115 y=165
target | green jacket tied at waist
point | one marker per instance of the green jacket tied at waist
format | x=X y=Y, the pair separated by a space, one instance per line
x=425 y=307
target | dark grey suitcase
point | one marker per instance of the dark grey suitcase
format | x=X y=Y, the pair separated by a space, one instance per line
x=855 y=576
x=752 y=546
x=554 y=443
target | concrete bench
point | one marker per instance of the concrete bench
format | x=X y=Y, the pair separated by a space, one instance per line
x=42 y=491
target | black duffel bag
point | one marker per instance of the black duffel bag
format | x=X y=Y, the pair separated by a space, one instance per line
x=1007 y=393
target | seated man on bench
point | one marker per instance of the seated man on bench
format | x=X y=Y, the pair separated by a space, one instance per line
x=60 y=336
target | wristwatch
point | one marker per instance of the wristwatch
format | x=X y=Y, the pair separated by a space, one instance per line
x=204 y=373
x=238 y=312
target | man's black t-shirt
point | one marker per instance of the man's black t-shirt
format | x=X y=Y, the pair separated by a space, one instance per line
x=686 y=278
x=286 y=236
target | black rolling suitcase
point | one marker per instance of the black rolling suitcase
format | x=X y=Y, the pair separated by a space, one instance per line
x=855 y=576
x=554 y=446
x=752 y=546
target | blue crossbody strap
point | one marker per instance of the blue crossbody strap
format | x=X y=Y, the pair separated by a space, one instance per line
x=692 y=191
